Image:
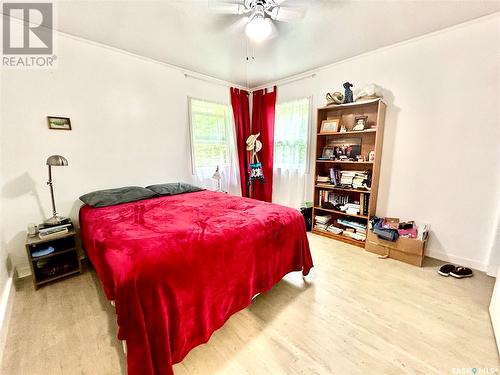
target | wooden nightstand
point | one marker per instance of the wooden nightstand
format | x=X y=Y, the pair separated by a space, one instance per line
x=63 y=262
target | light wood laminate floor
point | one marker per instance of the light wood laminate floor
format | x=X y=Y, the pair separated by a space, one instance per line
x=357 y=314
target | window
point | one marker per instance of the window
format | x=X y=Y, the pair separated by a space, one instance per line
x=213 y=144
x=210 y=123
x=291 y=135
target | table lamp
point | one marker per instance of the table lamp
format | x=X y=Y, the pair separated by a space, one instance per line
x=54 y=161
x=217 y=177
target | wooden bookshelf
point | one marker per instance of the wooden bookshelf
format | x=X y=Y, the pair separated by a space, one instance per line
x=371 y=140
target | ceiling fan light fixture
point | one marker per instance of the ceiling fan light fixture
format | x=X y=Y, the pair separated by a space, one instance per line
x=259 y=28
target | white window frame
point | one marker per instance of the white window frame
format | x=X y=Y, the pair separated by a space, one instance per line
x=190 y=126
x=309 y=128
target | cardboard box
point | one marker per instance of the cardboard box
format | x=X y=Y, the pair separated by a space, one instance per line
x=408 y=250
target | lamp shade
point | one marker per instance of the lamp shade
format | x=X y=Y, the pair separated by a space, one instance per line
x=57 y=161
x=259 y=28
x=217 y=175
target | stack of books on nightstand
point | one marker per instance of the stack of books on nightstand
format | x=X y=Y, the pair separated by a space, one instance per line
x=47 y=232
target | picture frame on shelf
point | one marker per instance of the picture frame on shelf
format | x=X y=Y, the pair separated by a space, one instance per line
x=59 y=123
x=330 y=126
x=360 y=123
x=327 y=153
x=345 y=148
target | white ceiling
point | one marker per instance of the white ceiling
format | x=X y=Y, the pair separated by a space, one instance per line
x=187 y=33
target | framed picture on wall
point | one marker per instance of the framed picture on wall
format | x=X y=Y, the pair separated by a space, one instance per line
x=330 y=126
x=59 y=123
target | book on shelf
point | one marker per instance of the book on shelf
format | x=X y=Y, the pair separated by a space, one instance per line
x=356 y=179
x=354 y=235
x=331 y=200
x=350 y=208
x=322 y=179
x=352 y=224
x=333 y=229
x=322 y=221
x=364 y=200
x=343 y=202
x=333 y=176
x=345 y=178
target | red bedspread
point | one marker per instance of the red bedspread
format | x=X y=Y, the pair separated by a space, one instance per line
x=179 y=266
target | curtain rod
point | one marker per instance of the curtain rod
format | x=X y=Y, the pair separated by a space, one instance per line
x=217 y=81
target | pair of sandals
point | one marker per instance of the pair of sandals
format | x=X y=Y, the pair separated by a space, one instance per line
x=458 y=272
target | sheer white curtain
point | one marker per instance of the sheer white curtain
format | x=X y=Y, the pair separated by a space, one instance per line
x=213 y=143
x=291 y=132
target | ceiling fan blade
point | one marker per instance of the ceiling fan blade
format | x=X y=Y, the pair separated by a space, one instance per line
x=288 y=14
x=226 y=6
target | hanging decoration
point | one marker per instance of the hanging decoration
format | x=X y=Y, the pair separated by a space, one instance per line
x=255 y=170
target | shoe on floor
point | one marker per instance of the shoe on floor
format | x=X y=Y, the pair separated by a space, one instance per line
x=461 y=272
x=446 y=269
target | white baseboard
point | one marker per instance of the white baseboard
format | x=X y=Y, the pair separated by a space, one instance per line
x=457 y=260
x=5 y=312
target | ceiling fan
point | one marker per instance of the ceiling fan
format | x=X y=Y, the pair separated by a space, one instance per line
x=260 y=15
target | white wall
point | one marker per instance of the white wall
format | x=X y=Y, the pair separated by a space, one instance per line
x=3 y=252
x=130 y=127
x=5 y=267
x=494 y=259
x=441 y=157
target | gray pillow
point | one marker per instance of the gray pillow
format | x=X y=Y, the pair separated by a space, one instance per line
x=112 y=197
x=173 y=188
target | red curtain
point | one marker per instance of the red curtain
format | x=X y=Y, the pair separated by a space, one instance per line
x=241 y=108
x=264 y=104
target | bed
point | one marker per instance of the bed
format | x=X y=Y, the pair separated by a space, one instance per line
x=179 y=266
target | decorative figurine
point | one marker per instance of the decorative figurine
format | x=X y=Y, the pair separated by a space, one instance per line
x=348 y=96
x=370 y=92
x=371 y=156
x=335 y=98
